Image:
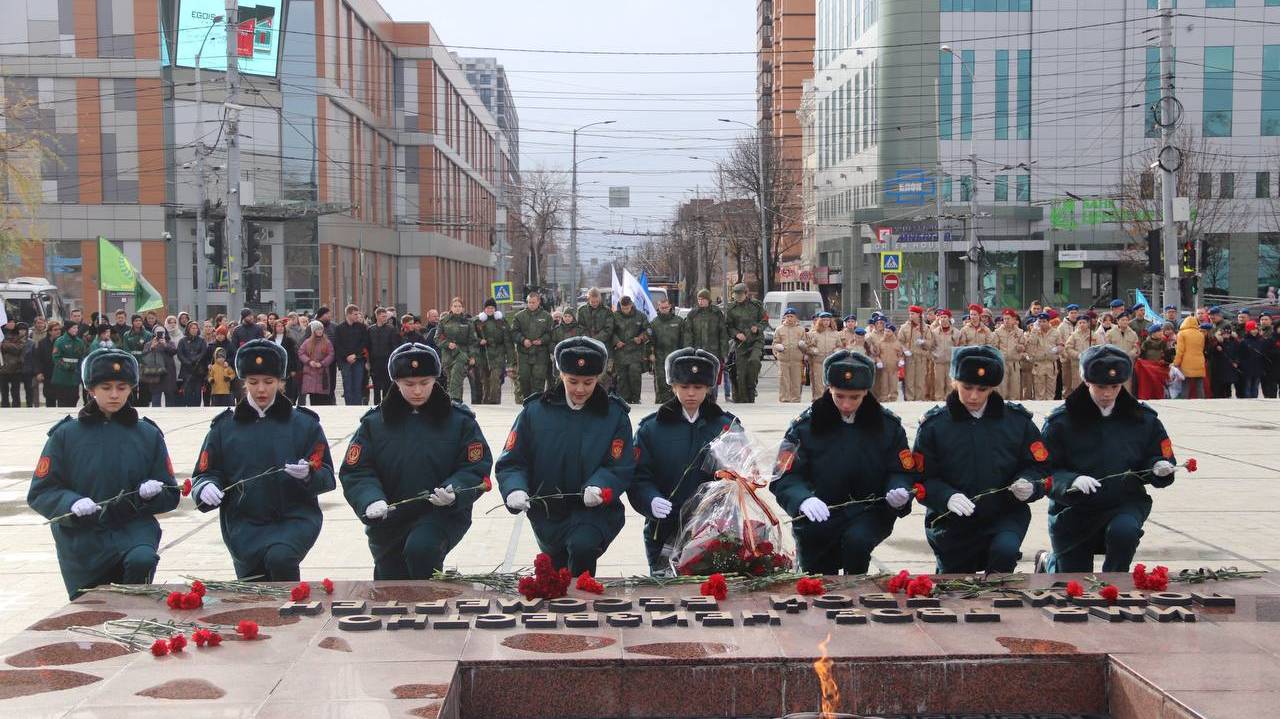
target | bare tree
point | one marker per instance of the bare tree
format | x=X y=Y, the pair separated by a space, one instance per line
x=743 y=175
x=23 y=150
x=544 y=206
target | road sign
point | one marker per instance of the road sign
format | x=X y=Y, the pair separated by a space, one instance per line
x=890 y=262
x=501 y=291
x=890 y=282
x=884 y=234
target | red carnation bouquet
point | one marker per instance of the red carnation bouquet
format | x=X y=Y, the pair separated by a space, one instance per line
x=730 y=526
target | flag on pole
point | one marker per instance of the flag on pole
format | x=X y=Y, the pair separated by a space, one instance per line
x=631 y=287
x=616 y=287
x=116 y=274
x=1140 y=300
x=146 y=297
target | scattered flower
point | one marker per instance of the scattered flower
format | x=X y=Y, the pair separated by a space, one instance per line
x=198 y=588
x=1156 y=581
x=918 y=490
x=1190 y=464
x=587 y=583
x=899 y=583
x=547 y=582
x=200 y=636
x=810 y=586
x=160 y=648
x=247 y=629
x=1110 y=593
x=921 y=586
x=213 y=638
x=1074 y=589
x=177 y=642
x=301 y=592
x=327 y=584
x=174 y=600
x=715 y=586
x=191 y=600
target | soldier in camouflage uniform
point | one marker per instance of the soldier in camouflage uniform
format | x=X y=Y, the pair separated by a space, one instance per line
x=596 y=319
x=667 y=334
x=457 y=339
x=746 y=323
x=531 y=330
x=495 y=349
x=631 y=333
x=705 y=329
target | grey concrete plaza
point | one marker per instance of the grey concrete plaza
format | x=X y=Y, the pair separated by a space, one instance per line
x=1226 y=514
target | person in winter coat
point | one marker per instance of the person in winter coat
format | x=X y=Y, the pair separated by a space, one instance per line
x=415 y=444
x=159 y=369
x=270 y=521
x=1189 y=358
x=68 y=350
x=495 y=350
x=350 y=345
x=12 y=374
x=192 y=366
x=824 y=341
x=281 y=337
x=384 y=338
x=105 y=452
x=220 y=376
x=1253 y=361
x=43 y=357
x=317 y=355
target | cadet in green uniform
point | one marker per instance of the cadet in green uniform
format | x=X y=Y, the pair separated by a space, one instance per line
x=531 y=332
x=979 y=442
x=847 y=447
x=1101 y=430
x=575 y=442
x=269 y=523
x=68 y=351
x=98 y=455
x=704 y=328
x=416 y=443
x=671 y=448
x=457 y=339
x=596 y=318
x=630 y=334
x=667 y=334
x=495 y=347
x=746 y=323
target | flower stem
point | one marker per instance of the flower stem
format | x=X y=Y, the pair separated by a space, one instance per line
x=107 y=502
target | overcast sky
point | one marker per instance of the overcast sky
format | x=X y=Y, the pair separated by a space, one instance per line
x=666 y=108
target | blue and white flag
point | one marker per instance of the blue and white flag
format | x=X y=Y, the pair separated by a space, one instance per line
x=632 y=288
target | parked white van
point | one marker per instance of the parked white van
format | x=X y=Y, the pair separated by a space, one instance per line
x=807 y=304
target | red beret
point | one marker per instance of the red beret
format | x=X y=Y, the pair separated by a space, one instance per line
x=975 y=306
x=916 y=308
x=944 y=313
x=1053 y=314
x=1009 y=313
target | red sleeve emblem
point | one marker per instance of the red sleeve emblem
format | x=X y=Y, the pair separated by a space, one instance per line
x=511 y=441
x=475 y=451
x=316 y=460
x=919 y=457
x=42 y=467
x=353 y=454
x=785 y=460
x=1038 y=451
x=615 y=449
x=635 y=453
x=203 y=464
x=1166 y=448
x=907 y=459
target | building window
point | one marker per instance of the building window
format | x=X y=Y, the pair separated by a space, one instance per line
x=1024 y=188
x=1262 y=185
x=848 y=119
x=944 y=95
x=1268 y=258
x=946 y=189
x=966 y=93
x=1002 y=188
x=1219 y=65
x=1271 y=87
x=1204 y=186
x=1147 y=186
x=1024 y=94
x=1002 y=94
x=1220 y=3
x=1227 y=186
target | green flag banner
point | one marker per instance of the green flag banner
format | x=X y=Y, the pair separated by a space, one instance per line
x=115 y=274
x=146 y=297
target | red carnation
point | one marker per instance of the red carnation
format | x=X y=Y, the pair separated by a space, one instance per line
x=198 y=588
x=1110 y=593
x=177 y=642
x=327 y=584
x=213 y=638
x=1190 y=464
x=810 y=586
x=1048 y=484
x=921 y=586
x=174 y=600
x=918 y=490
x=1074 y=589
x=191 y=600
x=763 y=548
x=1158 y=580
x=247 y=629
x=301 y=592
x=606 y=495
x=715 y=586
x=488 y=484
x=186 y=487
x=200 y=636
x=899 y=582
x=160 y=648
x=587 y=583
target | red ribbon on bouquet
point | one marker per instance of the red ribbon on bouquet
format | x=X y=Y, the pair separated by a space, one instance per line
x=749 y=488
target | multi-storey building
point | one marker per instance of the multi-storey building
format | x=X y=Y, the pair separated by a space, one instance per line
x=1052 y=102
x=785 y=46
x=489 y=80
x=369 y=166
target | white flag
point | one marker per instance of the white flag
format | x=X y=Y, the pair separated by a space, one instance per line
x=4 y=317
x=632 y=288
x=616 y=287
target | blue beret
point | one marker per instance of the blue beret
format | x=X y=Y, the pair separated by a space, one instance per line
x=1170 y=307
x=851 y=317
x=1215 y=310
x=413 y=359
x=1117 y=303
x=860 y=331
x=1265 y=313
x=790 y=311
x=1042 y=316
x=891 y=327
x=1072 y=307
x=1105 y=364
x=826 y=315
x=581 y=356
x=849 y=370
x=977 y=364
x=692 y=366
x=1243 y=312
x=108 y=364
x=1206 y=326
x=261 y=356
x=1155 y=327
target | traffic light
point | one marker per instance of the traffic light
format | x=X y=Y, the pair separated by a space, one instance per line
x=254 y=238
x=1155 y=252
x=1188 y=257
x=214 y=246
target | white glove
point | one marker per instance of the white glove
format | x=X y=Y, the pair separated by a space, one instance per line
x=84 y=506
x=815 y=510
x=376 y=510
x=210 y=495
x=1055 y=350
x=299 y=470
x=1086 y=484
x=591 y=497
x=518 y=501
x=902 y=363
x=778 y=348
x=920 y=341
x=660 y=508
x=897 y=498
x=150 y=488
x=1176 y=374
x=1162 y=469
x=960 y=505
x=482 y=317
x=906 y=352
x=1022 y=490
x=443 y=496
x=803 y=345
x=879 y=365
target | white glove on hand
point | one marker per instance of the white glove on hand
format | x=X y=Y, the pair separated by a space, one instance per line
x=660 y=508
x=150 y=488
x=299 y=470
x=879 y=365
x=1176 y=374
x=1086 y=484
x=443 y=496
x=84 y=506
x=815 y=510
x=906 y=352
x=897 y=498
x=1162 y=469
x=960 y=505
x=591 y=497
x=778 y=348
x=1055 y=350
x=377 y=510
x=902 y=363
x=920 y=341
x=1022 y=490
x=210 y=495
x=518 y=501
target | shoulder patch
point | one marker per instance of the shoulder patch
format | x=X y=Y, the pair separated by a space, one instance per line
x=306 y=410
x=59 y=423
x=1016 y=407
x=463 y=408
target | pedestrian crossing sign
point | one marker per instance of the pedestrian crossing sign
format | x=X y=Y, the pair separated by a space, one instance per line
x=890 y=262
x=500 y=291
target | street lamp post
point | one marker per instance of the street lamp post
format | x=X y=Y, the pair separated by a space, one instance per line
x=760 y=192
x=975 y=266
x=202 y=262
x=573 y=211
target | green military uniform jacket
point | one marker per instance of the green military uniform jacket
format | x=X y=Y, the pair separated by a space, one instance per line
x=626 y=328
x=398 y=453
x=459 y=330
x=564 y=331
x=532 y=325
x=597 y=322
x=705 y=329
x=67 y=353
x=95 y=457
x=497 y=348
x=747 y=317
x=275 y=509
x=135 y=343
x=667 y=332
